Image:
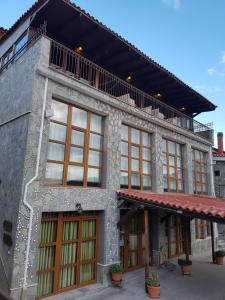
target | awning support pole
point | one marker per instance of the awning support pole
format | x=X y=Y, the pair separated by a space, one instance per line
x=212 y=242
x=147 y=252
x=186 y=238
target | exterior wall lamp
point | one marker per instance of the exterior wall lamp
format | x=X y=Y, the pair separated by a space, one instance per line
x=79 y=209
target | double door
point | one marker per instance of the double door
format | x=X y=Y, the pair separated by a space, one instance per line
x=133 y=243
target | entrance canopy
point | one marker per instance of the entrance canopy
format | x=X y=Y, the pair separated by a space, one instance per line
x=194 y=206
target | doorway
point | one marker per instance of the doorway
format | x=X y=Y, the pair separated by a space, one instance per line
x=132 y=247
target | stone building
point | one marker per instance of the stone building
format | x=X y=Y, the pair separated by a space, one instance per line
x=219 y=167
x=86 y=120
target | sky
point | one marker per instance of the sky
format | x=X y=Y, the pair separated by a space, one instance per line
x=185 y=36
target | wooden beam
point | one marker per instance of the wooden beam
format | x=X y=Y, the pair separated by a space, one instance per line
x=147 y=250
x=212 y=242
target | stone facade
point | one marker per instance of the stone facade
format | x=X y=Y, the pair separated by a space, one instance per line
x=33 y=78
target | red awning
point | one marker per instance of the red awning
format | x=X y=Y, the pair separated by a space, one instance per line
x=195 y=206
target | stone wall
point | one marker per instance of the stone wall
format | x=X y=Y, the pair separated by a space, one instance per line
x=16 y=84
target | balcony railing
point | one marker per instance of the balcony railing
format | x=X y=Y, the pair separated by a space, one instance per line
x=88 y=72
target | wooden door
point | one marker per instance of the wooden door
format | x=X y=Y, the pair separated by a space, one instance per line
x=174 y=236
x=133 y=246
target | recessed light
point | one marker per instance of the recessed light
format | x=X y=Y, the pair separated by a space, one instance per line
x=129 y=78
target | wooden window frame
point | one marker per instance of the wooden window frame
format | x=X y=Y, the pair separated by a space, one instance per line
x=175 y=166
x=140 y=160
x=60 y=218
x=86 y=148
x=202 y=229
x=202 y=166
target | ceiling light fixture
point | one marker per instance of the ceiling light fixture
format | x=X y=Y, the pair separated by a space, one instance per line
x=183 y=108
x=129 y=78
x=79 y=50
x=157 y=95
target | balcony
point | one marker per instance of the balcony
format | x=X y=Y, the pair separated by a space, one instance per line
x=80 y=68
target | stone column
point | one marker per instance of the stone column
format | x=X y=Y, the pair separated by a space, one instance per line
x=157 y=163
x=188 y=169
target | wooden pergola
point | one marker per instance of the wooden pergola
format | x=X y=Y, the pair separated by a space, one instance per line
x=186 y=205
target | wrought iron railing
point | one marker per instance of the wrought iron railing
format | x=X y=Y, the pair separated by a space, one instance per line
x=90 y=73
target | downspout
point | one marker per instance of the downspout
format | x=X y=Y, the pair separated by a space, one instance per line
x=30 y=182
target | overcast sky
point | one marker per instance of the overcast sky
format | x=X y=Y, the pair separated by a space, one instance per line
x=185 y=36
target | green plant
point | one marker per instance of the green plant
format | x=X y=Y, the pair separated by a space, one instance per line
x=184 y=262
x=116 y=268
x=153 y=280
x=220 y=253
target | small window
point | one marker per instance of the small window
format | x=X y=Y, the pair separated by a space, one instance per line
x=21 y=42
x=217 y=173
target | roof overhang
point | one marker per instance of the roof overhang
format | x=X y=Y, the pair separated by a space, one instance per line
x=193 y=206
x=73 y=27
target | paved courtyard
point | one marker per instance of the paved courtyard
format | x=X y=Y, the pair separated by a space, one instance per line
x=207 y=282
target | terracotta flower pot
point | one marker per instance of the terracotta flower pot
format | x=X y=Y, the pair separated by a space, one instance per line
x=116 y=277
x=154 y=291
x=186 y=269
x=220 y=260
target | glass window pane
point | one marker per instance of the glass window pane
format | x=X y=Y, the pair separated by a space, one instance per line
x=124 y=148
x=146 y=182
x=180 y=186
x=179 y=149
x=124 y=163
x=164 y=159
x=172 y=171
x=135 y=152
x=79 y=117
x=172 y=161
x=179 y=162
x=21 y=42
x=75 y=175
x=204 y=178
x=60 y=111
x=165 y=170
x=77 y=138
x=146 y=139
x=95 y=141
x=56 y=151
x=146 y=167
x=96 y=123
x=93 y=177
x=94 y=158
x=135 y=136
x=171 y=146
x=197 y=155
x=180 y=173
x=54 y=173
x=165 y=183
x=172 y=184
x=76 y=155
x=124 y=133
x=57 y=132
x=124 y=180
x=204 y=188
x=135 y=181
x=146 y=153
x=135 y=165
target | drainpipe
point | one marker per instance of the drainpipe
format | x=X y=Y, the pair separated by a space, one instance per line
x=29 y=183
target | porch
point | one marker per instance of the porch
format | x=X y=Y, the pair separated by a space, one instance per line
x=206 y=282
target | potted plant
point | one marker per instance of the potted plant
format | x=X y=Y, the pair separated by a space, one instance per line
x=153 y=285
x=219 y=255
x=185 y=265
x=116 y=271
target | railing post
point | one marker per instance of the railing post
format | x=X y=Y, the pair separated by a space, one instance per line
x=77 y=70
x=64 y=64
x=97 y=79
